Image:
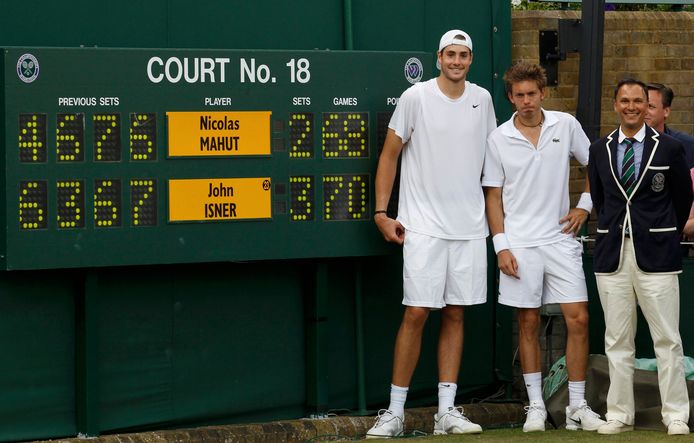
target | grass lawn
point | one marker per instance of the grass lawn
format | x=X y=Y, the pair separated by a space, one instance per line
x=555 y=435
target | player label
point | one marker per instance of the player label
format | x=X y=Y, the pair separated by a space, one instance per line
x=208 y=199
x=219 y=134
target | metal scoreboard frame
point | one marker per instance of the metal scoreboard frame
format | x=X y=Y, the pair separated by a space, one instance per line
x=153 y=156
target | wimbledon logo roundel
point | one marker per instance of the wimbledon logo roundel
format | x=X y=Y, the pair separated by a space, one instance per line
x=413 y=70
x=27 y=68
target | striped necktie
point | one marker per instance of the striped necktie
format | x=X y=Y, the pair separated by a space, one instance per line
x=628 y=170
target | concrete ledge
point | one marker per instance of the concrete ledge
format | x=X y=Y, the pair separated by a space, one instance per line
x=489 y=415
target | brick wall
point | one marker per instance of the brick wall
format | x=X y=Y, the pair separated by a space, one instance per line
x=650 y=46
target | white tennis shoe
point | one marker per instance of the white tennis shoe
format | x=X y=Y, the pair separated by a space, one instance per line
x=582 y=417
x=387 y=425
x=536 y=414
x=454 y=421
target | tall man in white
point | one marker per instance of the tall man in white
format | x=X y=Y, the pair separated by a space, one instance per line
x=440 y=126
x=526 y=175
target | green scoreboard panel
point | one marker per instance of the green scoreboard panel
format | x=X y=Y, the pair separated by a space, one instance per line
x=146 y=156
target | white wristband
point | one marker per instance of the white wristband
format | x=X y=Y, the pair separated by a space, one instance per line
x=585 y=202
x=500 y=242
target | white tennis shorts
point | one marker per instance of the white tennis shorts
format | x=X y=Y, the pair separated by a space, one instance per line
x=548 y=274
x=439 y=272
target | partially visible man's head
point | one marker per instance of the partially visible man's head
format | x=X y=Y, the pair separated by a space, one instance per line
x=525 y=87
x=455 y=37
x=659 y=103
x=454 y=56
x=631 y=104
x=629 y=81
x=522 y=71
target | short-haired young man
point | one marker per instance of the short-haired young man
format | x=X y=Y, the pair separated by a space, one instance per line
x=659 y=106
x=526 y=180
x=441 y=127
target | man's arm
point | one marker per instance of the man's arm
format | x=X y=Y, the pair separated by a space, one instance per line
x=689 y=226
x=495 y=217
x=391 y=229
x=682 y=186
x=580 y=150
x=596 y=191
x=575 y=218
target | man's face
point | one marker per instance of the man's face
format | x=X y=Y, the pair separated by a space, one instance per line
x=631 y=104
x=657 y=113
x=527 y=98
x=455 y=62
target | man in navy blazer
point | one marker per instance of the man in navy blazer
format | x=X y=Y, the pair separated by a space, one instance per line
x=642 y=192
x=659 y=107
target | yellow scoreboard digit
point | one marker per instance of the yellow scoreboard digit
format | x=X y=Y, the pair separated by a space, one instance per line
x=302 y=198
x=143 y=202
x=33 y=204
x=70 y=195
x=345 y=197
x=301 y=135
x=143 y=136
x=69 y=137
x=107 y=203
x=107 y=138
x=345 y=134
x=32 y=138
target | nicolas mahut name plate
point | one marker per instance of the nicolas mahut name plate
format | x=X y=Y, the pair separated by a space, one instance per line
x=219 y=134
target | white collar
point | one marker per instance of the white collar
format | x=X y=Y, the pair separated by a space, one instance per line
x=549 y=119
x=639 y=136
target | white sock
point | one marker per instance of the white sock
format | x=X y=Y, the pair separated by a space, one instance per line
x=446 y=396
x=577 y=393
x=398 y=395
x=533 y=384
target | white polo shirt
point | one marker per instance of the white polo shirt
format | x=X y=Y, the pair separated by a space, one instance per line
x=442 y=160
x=535 y=181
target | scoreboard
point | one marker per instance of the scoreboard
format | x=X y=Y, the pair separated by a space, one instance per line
x=149 y=156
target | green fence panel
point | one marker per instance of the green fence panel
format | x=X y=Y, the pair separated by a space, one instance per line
x=174 y=351
x=116 y=23
x=37 y=340
x=309 y=24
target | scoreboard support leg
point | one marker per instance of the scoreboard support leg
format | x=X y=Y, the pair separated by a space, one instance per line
x=317 y=343
x=86 y=369
x=359 y=326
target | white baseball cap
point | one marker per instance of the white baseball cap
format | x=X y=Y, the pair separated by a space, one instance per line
x=454 y=37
